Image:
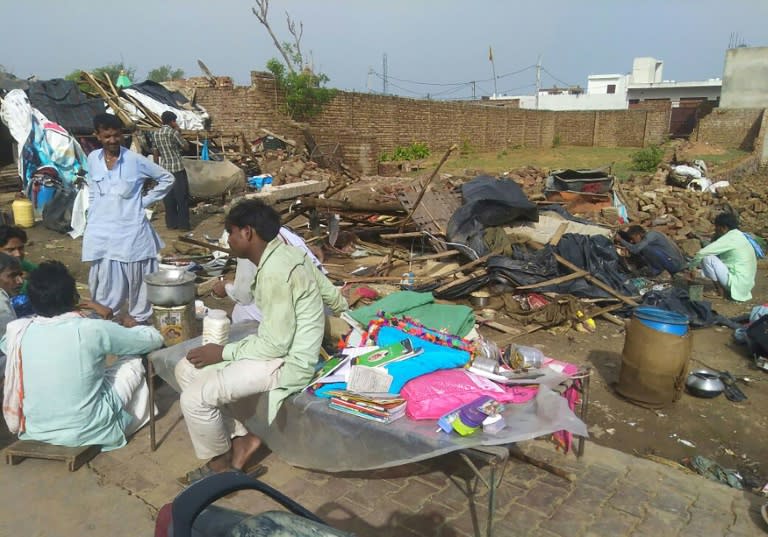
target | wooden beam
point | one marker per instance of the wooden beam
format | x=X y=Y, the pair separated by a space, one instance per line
x=596 y=281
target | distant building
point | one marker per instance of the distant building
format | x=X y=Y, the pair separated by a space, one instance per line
x=622 y=91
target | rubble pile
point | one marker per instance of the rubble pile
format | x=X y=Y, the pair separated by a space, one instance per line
x=685 y=214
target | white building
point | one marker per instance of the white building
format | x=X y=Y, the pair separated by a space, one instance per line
x=621 y=91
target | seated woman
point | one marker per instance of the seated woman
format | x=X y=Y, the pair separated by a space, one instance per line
x=11 y=280
x=58 y=388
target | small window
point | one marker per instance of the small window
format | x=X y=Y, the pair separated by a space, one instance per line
x=611 y=88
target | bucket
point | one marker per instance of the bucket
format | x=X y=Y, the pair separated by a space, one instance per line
x=43 y=197
x=23 y=212
x=665 y=321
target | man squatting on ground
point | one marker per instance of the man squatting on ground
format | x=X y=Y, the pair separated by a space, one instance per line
x=729 y=260
x=654 y=248
x=218 y=382
x=119 y=241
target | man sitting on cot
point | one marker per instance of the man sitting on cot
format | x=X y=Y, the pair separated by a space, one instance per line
x=656 y=250
x=729 y=260
x=58 y=388
x=218 y=382
x=239 y=290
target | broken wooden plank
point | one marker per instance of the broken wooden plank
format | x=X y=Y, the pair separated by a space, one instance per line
x=596 y=281
x=288 y=191
x=439 y=255
x=553 y=281
x=209 y=245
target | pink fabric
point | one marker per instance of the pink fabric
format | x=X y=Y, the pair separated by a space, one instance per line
x=433 y=395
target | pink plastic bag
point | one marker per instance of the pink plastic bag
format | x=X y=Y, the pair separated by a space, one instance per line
x=435 y=394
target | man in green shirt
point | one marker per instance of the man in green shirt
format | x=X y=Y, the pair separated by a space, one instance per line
x=729 y=260
x=13 y=241
x=279 y=359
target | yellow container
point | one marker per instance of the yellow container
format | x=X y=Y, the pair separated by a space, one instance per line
x=23 y=212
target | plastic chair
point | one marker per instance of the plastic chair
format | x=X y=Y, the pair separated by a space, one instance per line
x=192 y=515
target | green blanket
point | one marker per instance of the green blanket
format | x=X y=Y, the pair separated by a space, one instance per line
x=454 y=319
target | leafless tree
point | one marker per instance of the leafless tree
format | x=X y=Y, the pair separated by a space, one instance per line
x=261 y=10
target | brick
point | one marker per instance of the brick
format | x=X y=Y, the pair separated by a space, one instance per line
x=610 y=521
x=630 y=500
x=670 y=502
x=414 y=495
x=543 y=498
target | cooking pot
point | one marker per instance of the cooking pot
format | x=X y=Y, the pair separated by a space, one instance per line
x=480 y=299
x=704 y=383
x=170 y=287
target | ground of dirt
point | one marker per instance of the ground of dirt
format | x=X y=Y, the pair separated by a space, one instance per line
x=733 y=434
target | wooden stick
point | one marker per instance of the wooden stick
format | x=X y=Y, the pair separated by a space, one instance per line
x=596 y=281
x=407 y=235
x=468 y=266
x=440 y=255
x=559 y=472
x=208 y=245
x=554 y=281
x=418 y=201
x=454 y=283
x=558 y=234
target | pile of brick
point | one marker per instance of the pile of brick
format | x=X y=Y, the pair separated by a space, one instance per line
x=530 y=178
x=687 y=215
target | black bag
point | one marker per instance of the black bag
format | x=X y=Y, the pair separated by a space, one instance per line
x=757 y=335
x=57 y=213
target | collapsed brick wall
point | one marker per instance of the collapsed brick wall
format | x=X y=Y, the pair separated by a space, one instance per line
x=736 y=128
x=365 y=125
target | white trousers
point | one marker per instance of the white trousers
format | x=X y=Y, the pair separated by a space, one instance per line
x=113 y=283
x=127 y=379
x=715 y=270
x=215 y=401
x=243 y=313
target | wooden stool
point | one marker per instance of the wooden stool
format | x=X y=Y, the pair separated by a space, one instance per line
x=75 y=457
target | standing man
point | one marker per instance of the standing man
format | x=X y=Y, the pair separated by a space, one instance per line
x=654 y=248
x=729 y=260
x=279 y=359
x=167 y=147
x=119 y=241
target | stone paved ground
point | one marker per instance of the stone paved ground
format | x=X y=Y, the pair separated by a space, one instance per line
x=613 y=494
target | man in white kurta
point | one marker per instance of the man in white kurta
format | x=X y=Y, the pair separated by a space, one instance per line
x=119 y=241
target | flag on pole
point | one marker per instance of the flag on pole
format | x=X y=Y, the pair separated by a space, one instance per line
x=490 y=54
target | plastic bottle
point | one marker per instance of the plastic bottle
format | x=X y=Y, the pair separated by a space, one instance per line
x=216 y=328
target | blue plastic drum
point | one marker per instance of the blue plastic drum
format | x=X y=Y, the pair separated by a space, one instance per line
x=665 y=321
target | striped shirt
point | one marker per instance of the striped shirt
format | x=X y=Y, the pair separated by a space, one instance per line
x=169 y=143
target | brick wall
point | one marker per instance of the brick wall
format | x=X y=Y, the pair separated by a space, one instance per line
x=737 y=128
x=367 y=125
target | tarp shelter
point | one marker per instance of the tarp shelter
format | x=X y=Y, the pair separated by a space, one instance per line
x=62 y=102
x=158 y=99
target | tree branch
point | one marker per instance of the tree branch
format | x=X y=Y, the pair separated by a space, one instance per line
x=296 y=36
x=261 y=15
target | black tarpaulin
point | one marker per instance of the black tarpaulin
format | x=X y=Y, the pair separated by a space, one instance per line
x=62 y=102
x=488 y=202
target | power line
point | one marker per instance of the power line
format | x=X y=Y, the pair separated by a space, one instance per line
x=446 y=84
x=555 y=78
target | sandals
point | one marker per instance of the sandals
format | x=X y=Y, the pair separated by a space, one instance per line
x=204 y=471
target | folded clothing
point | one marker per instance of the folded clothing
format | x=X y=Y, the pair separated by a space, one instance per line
x=454 y=319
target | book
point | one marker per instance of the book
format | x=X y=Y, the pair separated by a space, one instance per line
x=383 y=408
x=388 y=354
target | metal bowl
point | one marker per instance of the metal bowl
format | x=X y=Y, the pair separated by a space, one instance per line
x=480 y=299
x=704 y=383
x=170 y=287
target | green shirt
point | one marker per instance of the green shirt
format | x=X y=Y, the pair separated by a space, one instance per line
x=291 y=293
x=27 y=267
x=735 y=251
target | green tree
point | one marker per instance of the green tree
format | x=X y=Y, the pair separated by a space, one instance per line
x=165 y=72
x=305 y=91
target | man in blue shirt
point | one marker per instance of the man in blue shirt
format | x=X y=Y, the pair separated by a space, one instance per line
x=119 y=241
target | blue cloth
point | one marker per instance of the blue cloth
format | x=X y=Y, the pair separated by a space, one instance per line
x=434 y=358
x=205 y=151
x=117 y=227
x=758 y=250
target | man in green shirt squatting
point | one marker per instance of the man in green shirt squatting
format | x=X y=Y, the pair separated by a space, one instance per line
x=729 y=260
x=279 y=359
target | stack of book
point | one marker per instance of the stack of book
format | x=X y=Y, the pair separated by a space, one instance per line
x=384 y=408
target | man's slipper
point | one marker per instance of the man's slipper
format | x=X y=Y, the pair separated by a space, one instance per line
x=199 y=473
x=204 y=471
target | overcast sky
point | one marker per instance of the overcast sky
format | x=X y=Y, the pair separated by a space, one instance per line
x=429 y=41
